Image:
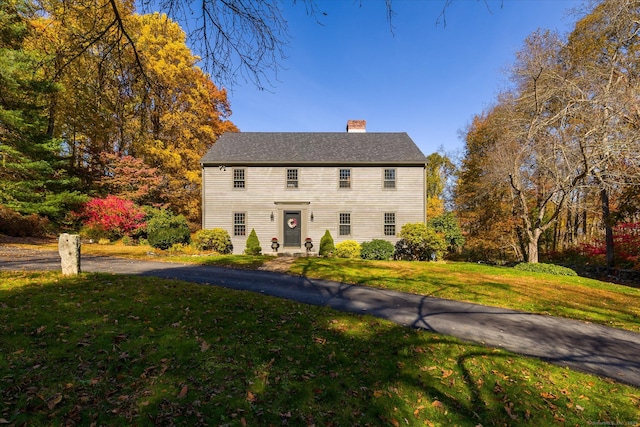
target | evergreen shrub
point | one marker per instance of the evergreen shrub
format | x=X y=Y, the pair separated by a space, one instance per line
x=253 y=244
x=419 y=242
x=164 y=229
x=326 y=245
x=376 y=249
x=216 y=239
x=558 y=270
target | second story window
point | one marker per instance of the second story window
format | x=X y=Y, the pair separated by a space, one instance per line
x=238 y=178
x=292 y=178
x=390 y=178
x=345 y=178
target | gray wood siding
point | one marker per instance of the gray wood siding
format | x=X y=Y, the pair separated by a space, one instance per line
x=318 y=193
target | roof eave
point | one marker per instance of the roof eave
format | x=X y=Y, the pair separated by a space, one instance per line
x=217 y=163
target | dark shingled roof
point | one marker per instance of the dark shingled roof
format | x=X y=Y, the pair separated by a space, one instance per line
x=314 y=148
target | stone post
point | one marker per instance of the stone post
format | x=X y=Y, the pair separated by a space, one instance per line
x=69 y=249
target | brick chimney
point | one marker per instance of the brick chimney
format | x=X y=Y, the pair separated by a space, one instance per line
x=356 y=126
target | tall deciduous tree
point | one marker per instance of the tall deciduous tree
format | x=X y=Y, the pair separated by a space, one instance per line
x=439 y=169
x=570 y=121
x=482 y=197
x=535 y=152
x=130 y=178
x=183 y=114
x=153 y=104
x=603 y=52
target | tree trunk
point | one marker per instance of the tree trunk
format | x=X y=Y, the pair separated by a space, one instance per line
x=606 y=219
x=532 y=252
x=532 y=246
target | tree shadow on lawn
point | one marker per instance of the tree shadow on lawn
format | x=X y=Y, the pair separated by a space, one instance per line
x=403 y=280
x=119 y=350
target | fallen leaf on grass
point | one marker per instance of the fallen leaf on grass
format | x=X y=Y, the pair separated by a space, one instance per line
x=53 y=401
x=204 y=346
x=438 y=405
x=183 y=392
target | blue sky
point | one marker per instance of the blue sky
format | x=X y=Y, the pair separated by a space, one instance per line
x=425 y=78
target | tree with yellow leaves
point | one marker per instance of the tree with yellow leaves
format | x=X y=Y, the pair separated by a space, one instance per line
x=153 y=105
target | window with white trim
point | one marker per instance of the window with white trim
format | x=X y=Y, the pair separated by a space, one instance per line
x=239 y=224
x=345 y=178
x=344 y=225
x=292 y=178
x=390 y=178
x=389 y=224
x=238 y=178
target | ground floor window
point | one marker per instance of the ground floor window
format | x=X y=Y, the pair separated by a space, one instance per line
x=389 y=224
x=239 y=224
x=345 y=224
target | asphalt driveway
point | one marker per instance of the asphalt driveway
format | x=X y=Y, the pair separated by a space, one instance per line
x=586 y=347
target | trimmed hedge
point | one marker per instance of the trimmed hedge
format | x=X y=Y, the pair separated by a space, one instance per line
x=558 y=270
x=377 y=249
x=216 y=239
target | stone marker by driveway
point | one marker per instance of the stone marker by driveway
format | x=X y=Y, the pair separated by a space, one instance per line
x=69 y=250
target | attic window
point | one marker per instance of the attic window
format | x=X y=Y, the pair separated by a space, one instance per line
x=292 y=178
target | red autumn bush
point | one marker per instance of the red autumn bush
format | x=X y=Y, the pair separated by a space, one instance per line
x=626 y=243
x=111 y=217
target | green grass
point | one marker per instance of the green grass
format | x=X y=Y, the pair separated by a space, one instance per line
x=565 y=296
x=119 y=350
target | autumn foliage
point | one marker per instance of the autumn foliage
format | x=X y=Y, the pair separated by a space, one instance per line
x=626 y=238
x=114 y=216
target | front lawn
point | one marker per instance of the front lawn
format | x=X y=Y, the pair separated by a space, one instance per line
x=565 y=296
x=100 y=349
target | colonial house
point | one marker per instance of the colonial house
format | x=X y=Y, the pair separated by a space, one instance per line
x=293 y=186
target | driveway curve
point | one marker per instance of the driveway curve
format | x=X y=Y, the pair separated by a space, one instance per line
x=586 y=347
